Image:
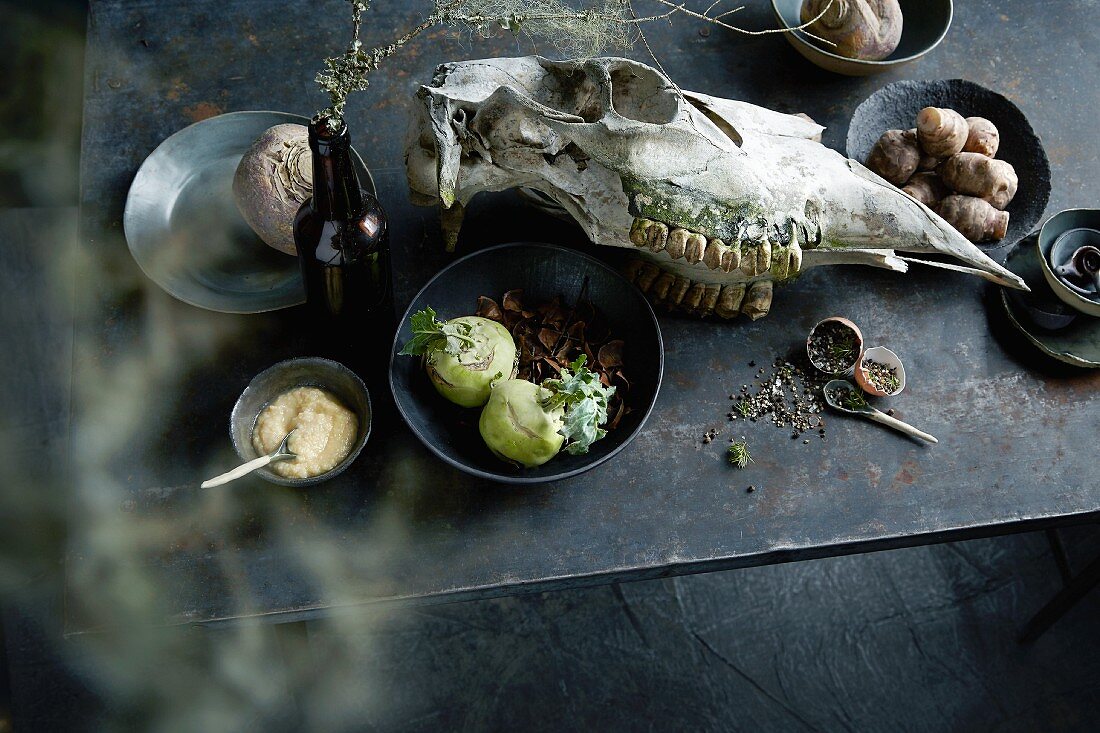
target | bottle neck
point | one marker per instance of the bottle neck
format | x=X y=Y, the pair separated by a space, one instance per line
x=336 y=192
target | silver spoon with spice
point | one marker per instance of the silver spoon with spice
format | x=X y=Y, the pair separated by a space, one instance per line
x=843 y=396
x=282 y=453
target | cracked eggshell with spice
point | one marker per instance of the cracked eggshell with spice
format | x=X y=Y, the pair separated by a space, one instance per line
x=273 y=180
x=889 y=360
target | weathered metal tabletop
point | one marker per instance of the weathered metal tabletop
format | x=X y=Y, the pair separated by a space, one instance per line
x=1018 y=435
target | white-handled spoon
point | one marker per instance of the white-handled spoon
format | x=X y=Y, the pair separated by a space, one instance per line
x=858 y=406
x=282 y=453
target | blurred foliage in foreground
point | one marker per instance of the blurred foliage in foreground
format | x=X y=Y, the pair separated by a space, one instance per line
x=42 y=44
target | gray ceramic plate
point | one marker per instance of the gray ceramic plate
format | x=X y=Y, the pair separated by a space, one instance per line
x=183 y=228
x=1078 y=343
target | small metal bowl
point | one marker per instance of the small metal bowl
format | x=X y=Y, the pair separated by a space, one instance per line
x=859 y=346
x=328 y=375
x=924 y=24
x=882 y=355
x=1050 y=237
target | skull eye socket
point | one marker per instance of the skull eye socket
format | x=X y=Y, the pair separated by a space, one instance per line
x=637 y=92
x=641 y=94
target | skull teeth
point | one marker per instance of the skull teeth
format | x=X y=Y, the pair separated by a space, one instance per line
x=696 y=247
x=753 y=256
x=677 y=243
x=710 y=299
x=646 y=276
x=659 y=290
x=756 y=257
x=758 y=299
x=729 y=301
x=698 y=298
x=731 y=259
x=694 y=297
x=656 y=236
x=712 y=257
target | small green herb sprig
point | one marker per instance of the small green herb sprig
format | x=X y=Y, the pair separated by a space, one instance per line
x=585 y=400
x=853 y=399
x=738 y=453
x=843 y=352
x=431 y=334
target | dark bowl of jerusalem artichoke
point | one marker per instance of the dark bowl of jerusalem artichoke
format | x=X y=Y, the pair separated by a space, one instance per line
x=964 y=151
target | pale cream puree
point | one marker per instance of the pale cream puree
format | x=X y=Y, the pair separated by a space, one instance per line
x=324 y=431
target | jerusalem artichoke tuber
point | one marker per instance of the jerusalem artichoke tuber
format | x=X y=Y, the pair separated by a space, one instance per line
x=942 y=132
x=927 y=188
x=983 y=137
x=895 y=156
x=927 y=162
x=974 y=174
x=975 y=218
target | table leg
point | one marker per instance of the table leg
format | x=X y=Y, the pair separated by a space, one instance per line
x=1060 y=556
x=1074 y=591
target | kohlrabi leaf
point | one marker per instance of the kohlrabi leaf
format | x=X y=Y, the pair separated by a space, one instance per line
x=431 y=334
x=585 y=400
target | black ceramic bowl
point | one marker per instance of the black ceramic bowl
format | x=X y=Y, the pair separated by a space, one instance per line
x=543 y=271
x=895 y=107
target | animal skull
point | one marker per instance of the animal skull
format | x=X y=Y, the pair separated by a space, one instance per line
x=721 y=198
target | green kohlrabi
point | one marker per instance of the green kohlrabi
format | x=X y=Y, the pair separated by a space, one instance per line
x=463 y=356
x=528 y=423
x=517 y=427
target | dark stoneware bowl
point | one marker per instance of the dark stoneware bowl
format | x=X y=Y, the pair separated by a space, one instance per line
x=895 y=107
x=543 y=271
x=1060 y=236
x=1053 y=327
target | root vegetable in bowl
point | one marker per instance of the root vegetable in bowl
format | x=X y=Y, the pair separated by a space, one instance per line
x=553 y=321
x=521 y=421
x=982 y=168
x=464 y=356
x=529 y=424
x=968 y=189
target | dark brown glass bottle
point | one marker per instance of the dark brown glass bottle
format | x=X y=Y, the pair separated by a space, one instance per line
x=342 y=238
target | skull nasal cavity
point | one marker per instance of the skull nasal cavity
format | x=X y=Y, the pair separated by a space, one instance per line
x=644 y=95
